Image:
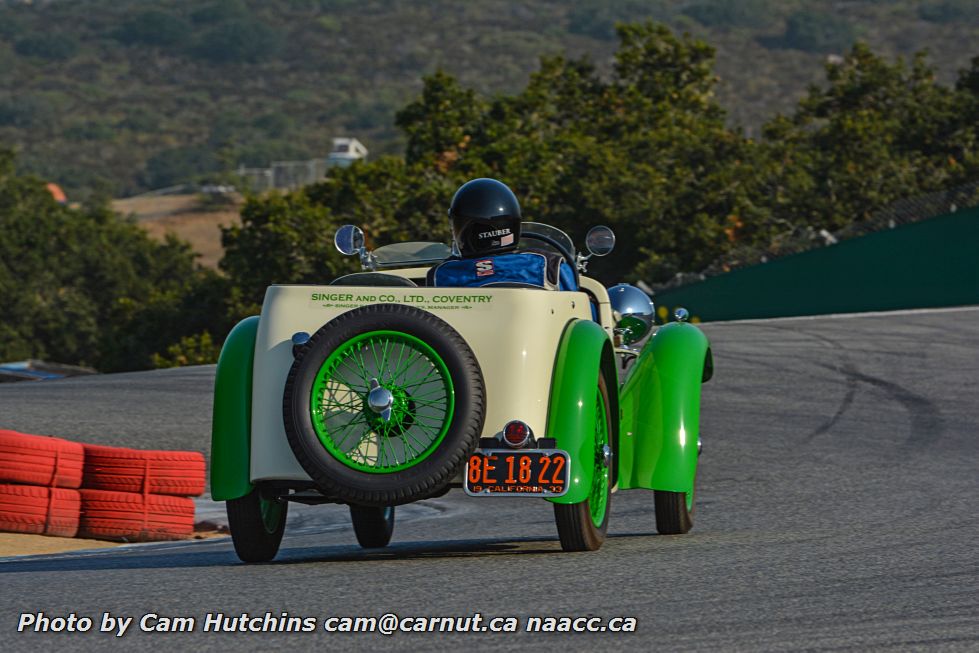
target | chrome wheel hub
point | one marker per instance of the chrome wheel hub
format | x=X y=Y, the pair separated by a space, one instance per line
x=606 y=456
x=379 y=400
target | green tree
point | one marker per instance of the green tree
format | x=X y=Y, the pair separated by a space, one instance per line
x=85 y=286
x=441 y=122
x=199 y=349
x=646 y=152
x=289 y=238
x=875 y=133
x=281 y=239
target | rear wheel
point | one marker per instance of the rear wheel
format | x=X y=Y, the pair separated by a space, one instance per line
x=583 y=526
x=373 y=525
x=257 y=525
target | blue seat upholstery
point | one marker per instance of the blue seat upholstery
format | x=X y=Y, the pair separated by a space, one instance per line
x=532 y=269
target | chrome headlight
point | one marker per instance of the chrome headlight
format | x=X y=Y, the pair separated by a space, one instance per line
x=634 y=312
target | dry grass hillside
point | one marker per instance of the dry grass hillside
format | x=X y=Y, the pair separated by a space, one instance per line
x=191 y=217
x=131 y=95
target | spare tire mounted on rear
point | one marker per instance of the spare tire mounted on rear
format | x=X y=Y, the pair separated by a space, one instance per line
x=383 y=405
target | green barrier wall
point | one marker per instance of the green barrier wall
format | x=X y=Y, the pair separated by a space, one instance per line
x=920 y=265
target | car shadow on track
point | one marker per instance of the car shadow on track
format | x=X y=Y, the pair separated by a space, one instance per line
x=208 y=555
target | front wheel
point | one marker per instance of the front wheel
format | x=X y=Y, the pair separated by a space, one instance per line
x=674 y=512
x=257 y=525
x=583 y=526
x=373 y=525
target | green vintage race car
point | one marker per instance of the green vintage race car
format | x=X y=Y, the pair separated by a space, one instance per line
x=378 y=390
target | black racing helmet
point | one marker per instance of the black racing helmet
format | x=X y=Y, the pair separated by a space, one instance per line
x=485 y=216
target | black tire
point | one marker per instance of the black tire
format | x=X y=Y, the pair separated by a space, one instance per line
x=575 y=527
x=424 y=478
x=373 y=525
x=672 y=516
x=255 y=537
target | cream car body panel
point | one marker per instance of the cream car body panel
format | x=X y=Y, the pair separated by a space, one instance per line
x=596 y=288
x=514 y=333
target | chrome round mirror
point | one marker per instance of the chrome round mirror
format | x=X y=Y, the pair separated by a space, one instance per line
x=600 y=240
x=349 y=239
x=634 y=312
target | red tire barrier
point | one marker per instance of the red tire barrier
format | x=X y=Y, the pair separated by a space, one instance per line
x=132 y=517
x=39 y=460
x=179 y=473
x=39 y=510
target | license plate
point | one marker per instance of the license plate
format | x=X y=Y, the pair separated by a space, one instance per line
x=503 y=472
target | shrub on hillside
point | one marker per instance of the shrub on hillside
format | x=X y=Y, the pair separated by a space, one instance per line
x=24 y=110
x=154 y=27
x=731 y=13
x=179 y=165
x=238 y=41
x=815 y=31
x=597 y=18
x=949 y=11
x=220 y=10
x=53 y=46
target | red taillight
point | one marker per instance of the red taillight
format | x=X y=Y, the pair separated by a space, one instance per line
x=516 y=434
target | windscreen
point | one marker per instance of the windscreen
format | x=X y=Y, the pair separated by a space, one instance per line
x=412 y=253
x=545 y=230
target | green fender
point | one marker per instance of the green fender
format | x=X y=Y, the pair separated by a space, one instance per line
x=661 y=411
x=585 y=349
x=232 y=417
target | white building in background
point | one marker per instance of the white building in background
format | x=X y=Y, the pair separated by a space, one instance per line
x=346 y=151
x=296 y=174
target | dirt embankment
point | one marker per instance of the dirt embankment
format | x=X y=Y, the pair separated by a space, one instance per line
x=190 y=217
x=22 y=544
x=18 y=544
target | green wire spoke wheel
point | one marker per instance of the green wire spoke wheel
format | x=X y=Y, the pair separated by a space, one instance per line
x=583 y=526
x=598 y=498
x=411 y=417
x=383 y=405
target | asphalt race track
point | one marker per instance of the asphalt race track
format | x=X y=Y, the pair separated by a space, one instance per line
x=836 y=509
